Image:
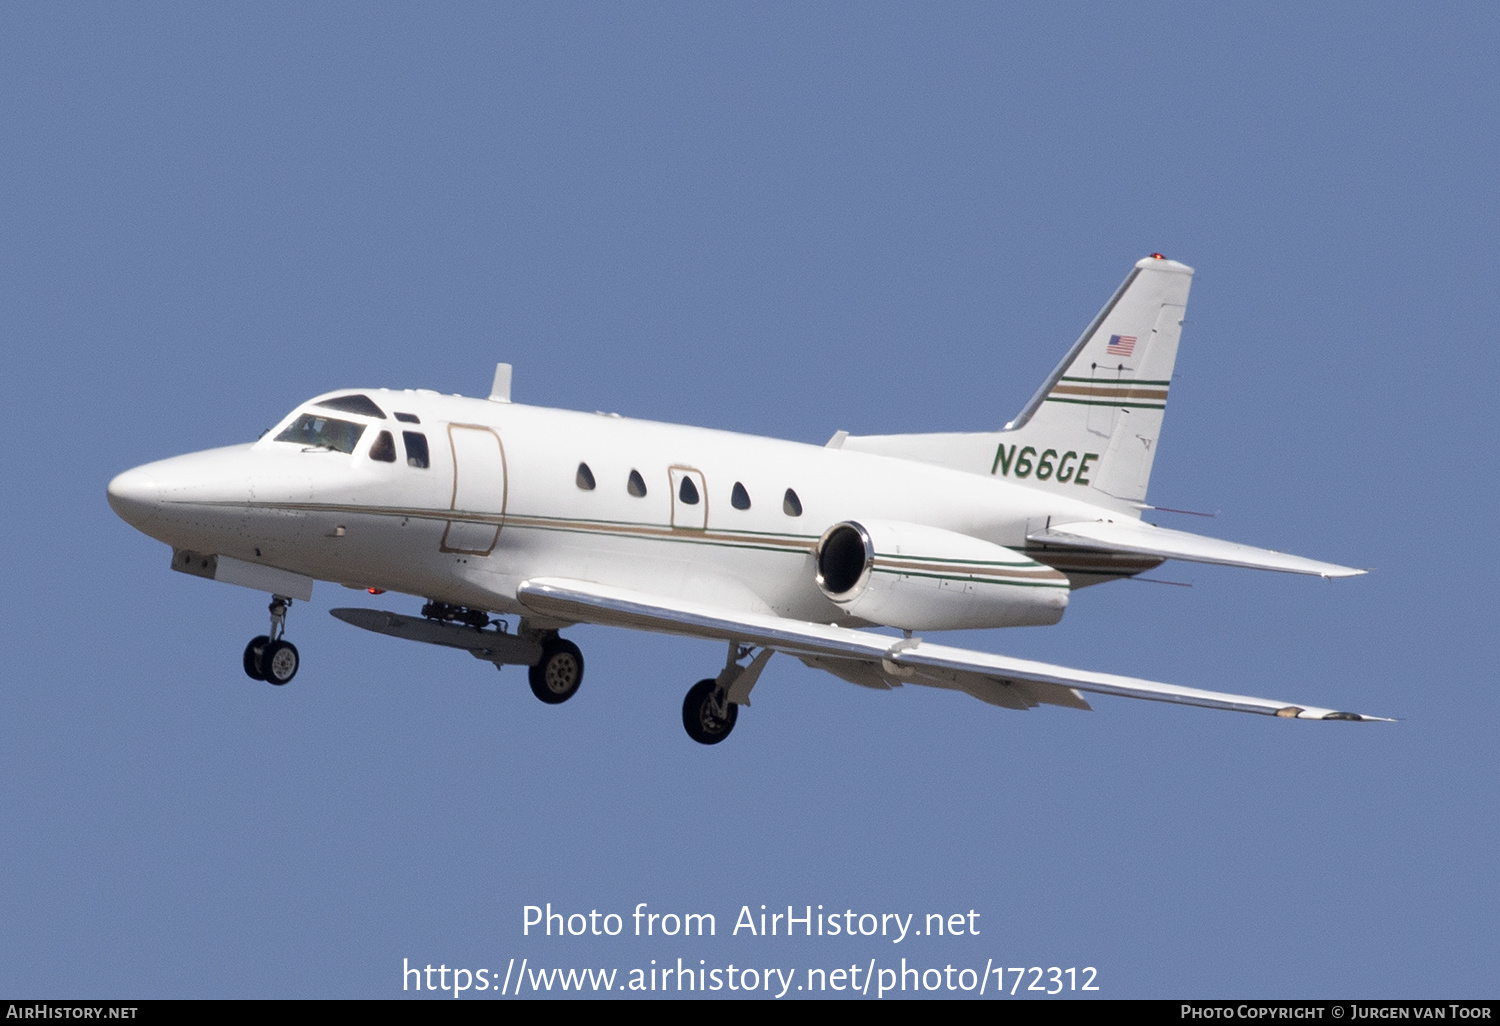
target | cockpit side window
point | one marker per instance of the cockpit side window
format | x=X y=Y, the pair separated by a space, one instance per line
x=317 y=432
x=416 y=449
x=408 y=418
x=383 y=448
x=360 y=404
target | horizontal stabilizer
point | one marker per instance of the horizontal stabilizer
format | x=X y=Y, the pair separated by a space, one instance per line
x=484 y=644
x=1145 y=539
x=912 y=659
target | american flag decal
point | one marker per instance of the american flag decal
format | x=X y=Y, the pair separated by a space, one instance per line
x=1121 y=345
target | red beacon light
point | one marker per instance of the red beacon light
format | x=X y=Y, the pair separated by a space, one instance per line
x=376 y=591
x=1157 y=256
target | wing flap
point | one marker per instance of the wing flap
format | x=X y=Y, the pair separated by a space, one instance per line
x=1134 y=536
x=1031 y=692
x=1016 y=694
x=895 y=660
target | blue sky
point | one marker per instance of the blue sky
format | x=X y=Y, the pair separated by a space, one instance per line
x=786 y=220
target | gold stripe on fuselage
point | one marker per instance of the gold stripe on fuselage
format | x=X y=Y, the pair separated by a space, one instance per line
x=1023 y=570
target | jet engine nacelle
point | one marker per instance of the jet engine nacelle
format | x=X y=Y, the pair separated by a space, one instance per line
x=925 y=578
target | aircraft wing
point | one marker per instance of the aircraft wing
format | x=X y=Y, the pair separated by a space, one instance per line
x=1145 y=539
x=879 y=660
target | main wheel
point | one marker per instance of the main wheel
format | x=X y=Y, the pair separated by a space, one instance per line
x=278 y=662
x=556 y=678
x=252 y=657
x=704 y=724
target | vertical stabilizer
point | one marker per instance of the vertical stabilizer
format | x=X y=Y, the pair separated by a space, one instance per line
x=1095 y=421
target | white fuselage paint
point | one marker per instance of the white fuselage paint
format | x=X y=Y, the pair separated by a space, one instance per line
x=500 y=504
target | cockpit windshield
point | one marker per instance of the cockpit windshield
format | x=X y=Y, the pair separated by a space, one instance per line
x=323 y=432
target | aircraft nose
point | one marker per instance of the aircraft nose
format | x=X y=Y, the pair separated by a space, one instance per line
x=134 y=495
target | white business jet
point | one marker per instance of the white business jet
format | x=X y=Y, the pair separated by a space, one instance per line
x=498 y=512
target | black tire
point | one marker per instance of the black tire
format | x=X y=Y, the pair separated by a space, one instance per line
x=252 y=657
x=279 y=662
x=698 y=717
x=556 y=678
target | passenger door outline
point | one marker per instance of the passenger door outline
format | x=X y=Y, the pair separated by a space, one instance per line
x=478 y=459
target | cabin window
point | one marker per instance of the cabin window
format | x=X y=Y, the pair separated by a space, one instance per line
x=584 y=478
x=688 y=492
x=739 y=498
x=416 y=449
x=315 y=432
x=636 y=485
x=408 y=418
x=360 y=404
x=383 y=448
x=790 y=504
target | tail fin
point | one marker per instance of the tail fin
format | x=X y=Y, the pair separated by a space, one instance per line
x=1096 y=419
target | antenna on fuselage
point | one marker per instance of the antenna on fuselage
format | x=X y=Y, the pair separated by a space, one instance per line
x=500 y=390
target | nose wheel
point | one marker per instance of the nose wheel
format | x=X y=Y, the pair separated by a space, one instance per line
x=278 y=662
x=270 y=657
x=252 y=657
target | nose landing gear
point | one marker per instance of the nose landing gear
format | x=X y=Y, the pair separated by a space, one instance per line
x=270 y=657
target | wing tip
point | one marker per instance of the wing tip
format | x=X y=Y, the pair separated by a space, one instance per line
x=1294 y=712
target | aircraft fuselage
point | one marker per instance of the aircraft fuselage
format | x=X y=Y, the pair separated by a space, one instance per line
x=501 y=500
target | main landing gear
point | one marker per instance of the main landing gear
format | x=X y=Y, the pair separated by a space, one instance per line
x=556 y=678
x=713 y=704
x=707 y=714
x=271 y=657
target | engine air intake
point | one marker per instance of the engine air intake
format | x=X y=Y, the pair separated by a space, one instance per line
x=845 y=555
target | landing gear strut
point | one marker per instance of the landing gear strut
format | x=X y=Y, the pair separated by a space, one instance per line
x=713 y=704
x=270 y=657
